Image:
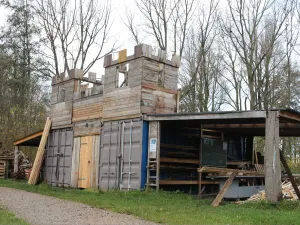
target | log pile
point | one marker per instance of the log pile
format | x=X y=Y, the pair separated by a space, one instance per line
x=24 y=166
x=288 y=193
x=2 y=169
x=7 y=155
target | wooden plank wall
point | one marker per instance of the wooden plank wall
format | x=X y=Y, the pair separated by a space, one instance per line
x=68 y=86
x=158 y=101
x=171 y=77
x=87 y=108
x=84 y=128
x=95 y=161
x=75 y=162
x=61 y=111
x=160 y=73
x=134 y=75
x=122 y=103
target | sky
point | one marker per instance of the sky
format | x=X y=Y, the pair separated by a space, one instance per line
x=118 y=33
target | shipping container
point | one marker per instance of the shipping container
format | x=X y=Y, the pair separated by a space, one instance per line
x=59 y=157
x=123 y=155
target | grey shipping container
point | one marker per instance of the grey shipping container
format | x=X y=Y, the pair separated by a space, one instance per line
x=123 y=155
x=59 y=157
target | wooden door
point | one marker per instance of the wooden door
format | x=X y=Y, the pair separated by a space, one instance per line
x=85 y=162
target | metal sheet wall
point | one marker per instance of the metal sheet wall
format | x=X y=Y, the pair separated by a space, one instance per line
x=59 y=157
x=121 y=155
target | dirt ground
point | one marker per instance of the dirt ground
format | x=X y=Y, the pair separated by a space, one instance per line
x=39 y=209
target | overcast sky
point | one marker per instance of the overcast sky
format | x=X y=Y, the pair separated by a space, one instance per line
x=119 y=32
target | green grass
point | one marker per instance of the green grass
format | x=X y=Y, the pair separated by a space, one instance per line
x=172 y=208
x=7 y=217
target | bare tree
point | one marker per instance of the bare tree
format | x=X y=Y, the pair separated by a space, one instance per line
x=75 y=29
x=244 y=25
x=203 y=64
x=167 y=21
x=132 y=27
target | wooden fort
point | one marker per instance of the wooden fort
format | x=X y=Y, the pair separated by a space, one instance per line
x=87 y=111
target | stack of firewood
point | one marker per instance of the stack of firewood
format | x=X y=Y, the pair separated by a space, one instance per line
x=7 y=155
x=288 y=193
x=24 y=166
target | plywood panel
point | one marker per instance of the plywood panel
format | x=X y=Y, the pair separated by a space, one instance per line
x=85 y=167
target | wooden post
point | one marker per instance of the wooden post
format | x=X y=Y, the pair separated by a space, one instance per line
x=16 y=160
x=158 y=155
x=272 y=159
x=200 y=165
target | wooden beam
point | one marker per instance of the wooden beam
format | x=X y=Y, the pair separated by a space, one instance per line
x=289 y=173
x=239 y=163
x=183 y=182
x=207 y=169
x=223 y=190
x=176 y=160
x=29 y=137
x=289 y=115
x=272 y=159
x=200 y=163
x=40 y=154
x=250 y=126
x=16 y=160
x=207 y=116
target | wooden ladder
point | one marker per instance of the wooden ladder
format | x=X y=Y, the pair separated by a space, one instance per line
x=152 y=173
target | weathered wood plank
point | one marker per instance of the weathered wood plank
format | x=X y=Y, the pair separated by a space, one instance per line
x=272 y=159
x=40 y=154
x=222 y=192
x=75 y=163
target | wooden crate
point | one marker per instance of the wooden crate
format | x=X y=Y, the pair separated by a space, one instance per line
x=2 y=169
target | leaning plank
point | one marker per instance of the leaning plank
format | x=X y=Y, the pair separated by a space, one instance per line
x=40 y=154
x=222 y=192
x=289 y=173
x=207 y=169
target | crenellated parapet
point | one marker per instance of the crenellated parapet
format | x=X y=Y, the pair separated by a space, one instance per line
x=142 y=50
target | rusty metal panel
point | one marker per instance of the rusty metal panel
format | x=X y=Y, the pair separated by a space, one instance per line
x=59 y=157
x=121 y=155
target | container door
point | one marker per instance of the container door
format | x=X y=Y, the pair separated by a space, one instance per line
x=109 y=171
x=131 y=154
x=85 y=161
x=120 y=155
x=59 y=157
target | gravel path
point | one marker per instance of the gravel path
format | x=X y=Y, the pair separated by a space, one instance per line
x=40 y=210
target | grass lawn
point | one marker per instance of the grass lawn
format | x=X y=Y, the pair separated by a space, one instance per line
x=7 y=217
x=172 y=208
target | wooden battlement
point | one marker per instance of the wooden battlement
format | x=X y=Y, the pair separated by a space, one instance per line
x=142 y=50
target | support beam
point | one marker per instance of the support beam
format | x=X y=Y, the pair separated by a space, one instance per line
x=223 y=190
x=272 y=159
x=250 y=126
x=16 y=160
x=289 y=173
x=289 y=115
